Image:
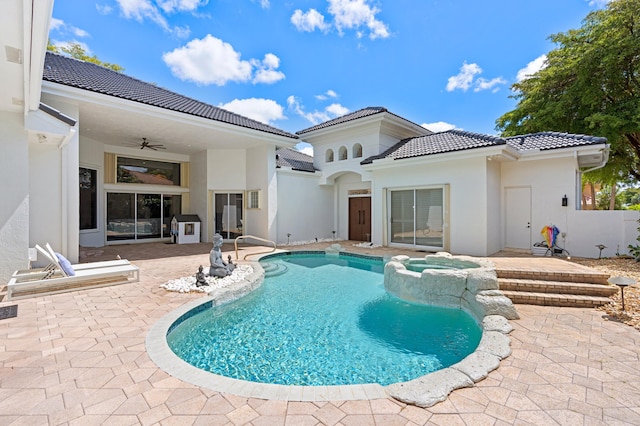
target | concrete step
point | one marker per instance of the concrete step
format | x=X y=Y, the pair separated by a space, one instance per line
x=595 y=277
x=551 y=299
x=558 y=287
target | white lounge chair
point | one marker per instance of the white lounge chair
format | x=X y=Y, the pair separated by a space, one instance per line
x=60 y=276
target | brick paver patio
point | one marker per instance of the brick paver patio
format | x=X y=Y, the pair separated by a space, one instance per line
x=79 y=358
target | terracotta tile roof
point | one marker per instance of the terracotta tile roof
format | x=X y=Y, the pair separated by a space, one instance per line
x=361 y=113
x=87 y=76
x=287 y=157
x=459 y=140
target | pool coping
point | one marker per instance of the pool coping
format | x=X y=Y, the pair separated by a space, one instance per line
x=424 y=391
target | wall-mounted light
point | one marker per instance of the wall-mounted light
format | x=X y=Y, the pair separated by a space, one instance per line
x=565 y=201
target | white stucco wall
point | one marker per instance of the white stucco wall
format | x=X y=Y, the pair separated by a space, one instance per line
x=305 y=209
x=468 y=198
x=92 y=156
x=550 y=179
x=587 y=228
x=14 y=208
x=200 y=200
x=261 y=175
x=494 y=207
x=227 y=169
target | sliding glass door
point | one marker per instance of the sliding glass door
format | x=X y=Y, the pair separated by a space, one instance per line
x=417 y=217
x=132 y=216
x=229 y=215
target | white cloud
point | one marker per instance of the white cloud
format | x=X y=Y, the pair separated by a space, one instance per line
x=484 y=84
x=267 y=69
x=263 y=3
x=532 y=67
x=208 y=61
x=141 y=10
x=316 y=117
x=305 y=148
x=308 y=21
x=79 y=32
x=170 y=6
x=439 y=126
x=336 y=110
x=213 y=61
x=145 y=9
x=104 y=9
x=466 y=78
x=263 y=110
x=353 y=14
x=326 y=95
x=56 y=24
x=598 y=3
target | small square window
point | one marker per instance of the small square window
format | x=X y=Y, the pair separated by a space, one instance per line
x=253 y=199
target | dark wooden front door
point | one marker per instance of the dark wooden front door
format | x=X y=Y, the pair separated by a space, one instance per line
x=360 y=218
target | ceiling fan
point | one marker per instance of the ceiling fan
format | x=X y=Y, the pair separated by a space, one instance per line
x=154 y=147
x=145 y=144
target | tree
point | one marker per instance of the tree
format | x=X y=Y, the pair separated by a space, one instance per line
x=591 y=84
x=76 y=51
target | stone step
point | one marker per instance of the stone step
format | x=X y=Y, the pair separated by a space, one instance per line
x=552 y=299
x=594 y=277
x=558 y=287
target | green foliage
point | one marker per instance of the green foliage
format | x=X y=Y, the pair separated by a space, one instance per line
x=76 y=51
x=591 y=85
x=603 y=199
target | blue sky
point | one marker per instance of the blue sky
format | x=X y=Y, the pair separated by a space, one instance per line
x=293 y=64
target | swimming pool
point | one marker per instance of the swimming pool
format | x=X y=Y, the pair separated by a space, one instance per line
x=326 y=321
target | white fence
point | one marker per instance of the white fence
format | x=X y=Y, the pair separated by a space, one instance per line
x=588 y=228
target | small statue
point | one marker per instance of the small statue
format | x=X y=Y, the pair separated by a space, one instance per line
x=219 y=268
x=201 y=278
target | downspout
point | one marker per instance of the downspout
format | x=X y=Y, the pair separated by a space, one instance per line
x=603 y=162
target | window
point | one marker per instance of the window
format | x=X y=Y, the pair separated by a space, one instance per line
x=357 y=151
x=329 y=156
x=342 y=153
x=253 y=199
x=88 y=198
x=150 y=172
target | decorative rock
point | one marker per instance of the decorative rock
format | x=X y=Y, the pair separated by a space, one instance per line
x=478 y=365
x=496 y=323
x=497 y=304
x=188 y=284
x=495 y=343
x=428 y=390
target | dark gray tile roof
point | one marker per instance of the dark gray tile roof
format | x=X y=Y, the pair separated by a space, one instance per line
x=87 y=76
x=57 y=114
x=552 y=140
x=436 y=143
x=458 y=140
x=287 y=157
x=361 y=113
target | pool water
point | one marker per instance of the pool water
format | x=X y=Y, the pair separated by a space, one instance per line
x=326 y=321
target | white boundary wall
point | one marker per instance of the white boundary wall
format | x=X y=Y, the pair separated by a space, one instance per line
x=587 y=228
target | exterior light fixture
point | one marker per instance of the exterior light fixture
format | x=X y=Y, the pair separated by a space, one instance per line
x=565 y=201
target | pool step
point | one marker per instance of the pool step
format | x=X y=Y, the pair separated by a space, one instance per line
x=555 y=299
x=555 y=288
x=273 y=269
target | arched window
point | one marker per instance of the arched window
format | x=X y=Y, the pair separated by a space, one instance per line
x=342 y=153
x=357 y=151
x=328 y=156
